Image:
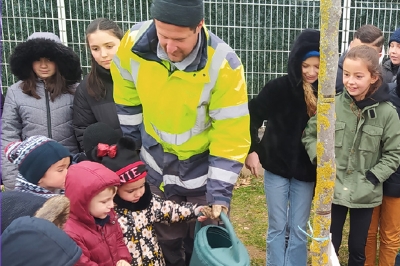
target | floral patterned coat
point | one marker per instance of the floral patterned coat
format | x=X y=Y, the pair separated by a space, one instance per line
x=137 y=224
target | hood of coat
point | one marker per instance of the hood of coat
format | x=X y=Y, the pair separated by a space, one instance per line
x=36 y=241
x=15 y=204
x=48 y=45
x=55 y=210
x=84 y=181
x=307 y=41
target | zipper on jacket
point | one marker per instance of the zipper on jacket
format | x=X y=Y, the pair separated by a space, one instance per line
x=48 y=112
x=105 y=241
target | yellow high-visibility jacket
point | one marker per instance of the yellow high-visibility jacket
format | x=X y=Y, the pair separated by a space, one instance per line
x=192 y=126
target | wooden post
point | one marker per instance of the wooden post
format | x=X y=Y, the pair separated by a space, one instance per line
x=326 y=168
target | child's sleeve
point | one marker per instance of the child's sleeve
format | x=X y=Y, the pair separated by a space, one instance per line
x=123 y=251
x=11 y=130
x=309 y=138
x=170 y=212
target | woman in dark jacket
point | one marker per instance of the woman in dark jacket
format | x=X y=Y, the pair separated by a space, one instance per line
x=94 y=100
x=287 y=103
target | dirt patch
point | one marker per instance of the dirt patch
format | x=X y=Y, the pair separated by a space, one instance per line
x=255 y=253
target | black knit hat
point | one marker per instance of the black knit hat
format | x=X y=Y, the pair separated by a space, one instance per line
x=98 y=133
x=123 y=159
x=35 y=155
x=395 y=36
x=45 y=44
x=185 y=13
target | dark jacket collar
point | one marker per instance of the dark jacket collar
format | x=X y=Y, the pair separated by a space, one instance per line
x=102 y=222
x=380 y=95
x=104 y=74
x=142 y=204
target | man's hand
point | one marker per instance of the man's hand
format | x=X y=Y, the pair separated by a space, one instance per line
x=252 y=163
x=217 y=209
x=123 y=263
x=214 y=211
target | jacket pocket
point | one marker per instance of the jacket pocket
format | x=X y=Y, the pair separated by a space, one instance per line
x=339 y=133
x=370 y=138
x=367 y=193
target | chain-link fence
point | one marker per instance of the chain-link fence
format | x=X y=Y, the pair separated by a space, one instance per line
x=260 y=32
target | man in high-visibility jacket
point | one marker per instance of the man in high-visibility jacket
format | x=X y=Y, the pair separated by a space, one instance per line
x=181 y=94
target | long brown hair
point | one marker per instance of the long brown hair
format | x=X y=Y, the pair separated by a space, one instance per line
x=95 y=86
x=370 y=57
x=55 y=85
x=310 y=98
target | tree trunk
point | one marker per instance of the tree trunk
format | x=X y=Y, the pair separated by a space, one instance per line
x=326 y=168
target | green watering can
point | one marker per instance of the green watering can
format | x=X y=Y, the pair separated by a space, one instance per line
x=218 y=246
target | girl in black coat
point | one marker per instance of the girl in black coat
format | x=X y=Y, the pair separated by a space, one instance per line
x=287 y=103
x=94 y=100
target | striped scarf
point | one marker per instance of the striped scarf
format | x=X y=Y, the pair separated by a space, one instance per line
x=23 y=185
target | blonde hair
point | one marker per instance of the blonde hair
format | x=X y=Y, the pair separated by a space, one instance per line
x=112 y=188
x=309 y=97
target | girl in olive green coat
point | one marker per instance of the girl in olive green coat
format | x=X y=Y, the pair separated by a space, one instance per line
x=367 y=148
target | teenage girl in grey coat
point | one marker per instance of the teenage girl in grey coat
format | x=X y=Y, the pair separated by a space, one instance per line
x=40 y=103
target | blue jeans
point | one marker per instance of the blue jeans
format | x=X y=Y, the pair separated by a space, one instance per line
x=397 y=260
x=280 y=192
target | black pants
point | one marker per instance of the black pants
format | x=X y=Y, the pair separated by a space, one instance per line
x=397 y=260
x=360 y=220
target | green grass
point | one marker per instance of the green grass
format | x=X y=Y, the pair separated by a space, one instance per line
x=249 y=218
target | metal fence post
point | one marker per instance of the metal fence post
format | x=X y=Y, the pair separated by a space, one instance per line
x=345 y=25
x=62 y=25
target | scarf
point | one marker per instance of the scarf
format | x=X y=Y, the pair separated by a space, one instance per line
x=23 y=185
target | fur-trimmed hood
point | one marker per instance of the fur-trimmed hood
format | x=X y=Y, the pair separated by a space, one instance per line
x=45 y=44
x=55 y=210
